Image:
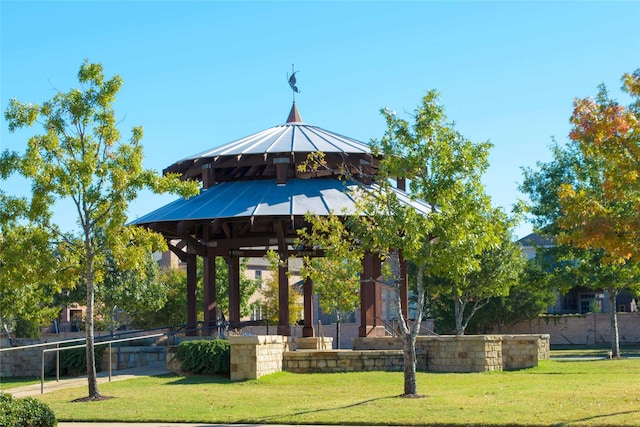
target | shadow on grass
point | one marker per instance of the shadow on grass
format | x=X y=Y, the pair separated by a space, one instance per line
x=599 y=417
x=202 y=379
x=271 y=418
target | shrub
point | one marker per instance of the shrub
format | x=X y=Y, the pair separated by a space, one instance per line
x=27 y=328
x=27 y=412
x=74 y=361
x=205 y=356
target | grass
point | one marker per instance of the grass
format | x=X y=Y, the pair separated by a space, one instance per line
x=11 y=382
x=576 y=393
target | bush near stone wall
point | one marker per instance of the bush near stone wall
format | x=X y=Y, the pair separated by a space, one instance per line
x=204 y=356
x=27 y=412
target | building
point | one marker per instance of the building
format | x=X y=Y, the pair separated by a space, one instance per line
x=578 y=299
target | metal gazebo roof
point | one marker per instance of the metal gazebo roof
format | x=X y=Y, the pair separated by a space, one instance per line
x=264 y=198
x=293 y=139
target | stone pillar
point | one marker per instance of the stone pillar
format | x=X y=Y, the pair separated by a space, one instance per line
x=307 y=330
x=234 y=289
x=209 y=292
x=192 y=284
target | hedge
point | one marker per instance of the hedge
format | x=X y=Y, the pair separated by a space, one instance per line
x=205 y=356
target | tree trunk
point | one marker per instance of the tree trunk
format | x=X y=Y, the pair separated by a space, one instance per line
x=92 y=377
x=409 y=351
x=615 y=336
x=91 y=365
x=459 y=314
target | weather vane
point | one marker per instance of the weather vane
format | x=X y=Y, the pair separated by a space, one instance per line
x=292 y=82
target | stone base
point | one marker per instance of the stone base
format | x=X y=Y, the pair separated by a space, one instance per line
x=314 y=343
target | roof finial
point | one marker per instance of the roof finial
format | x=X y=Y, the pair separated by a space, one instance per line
x=292 y=82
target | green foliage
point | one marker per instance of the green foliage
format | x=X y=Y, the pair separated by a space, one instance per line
x=27 y=329
x=27 y=412
x=527 y=299
x=205 y=357
x=569 y=264
x=80 y=157
x=270 y=300
x=247 y=286
x=174 y=310
x=74 y=361
x=132 y=290
x=336 y=276
x=31 y=274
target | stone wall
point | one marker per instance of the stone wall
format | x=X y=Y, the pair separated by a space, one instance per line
x=258 y=355
x=133 y=357
x=579 y=329
x=342 y=361
x=468 y=353
x=25 y=362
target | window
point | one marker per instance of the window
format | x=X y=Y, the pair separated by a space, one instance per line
x=587 y=303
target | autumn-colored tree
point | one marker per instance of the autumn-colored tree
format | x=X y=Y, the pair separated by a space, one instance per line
x=80 y=157
x=581 y=256
x=606 y=216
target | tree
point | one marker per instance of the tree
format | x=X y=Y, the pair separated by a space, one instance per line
x=27 y=290
x=443 y=168
x=80 y=157
x=270 y=300
x=174 y=310
x=473 y=278
x=131 y=291
x=529 y=297
x=606 y=215
x=576 y=198
x=335 y=276
x=248 y=287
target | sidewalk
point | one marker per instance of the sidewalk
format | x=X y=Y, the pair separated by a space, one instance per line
x=51 y=385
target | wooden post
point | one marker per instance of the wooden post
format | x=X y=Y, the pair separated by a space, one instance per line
x=192 y=284
x=307 y=330
x=234 y=288
x=209 y=291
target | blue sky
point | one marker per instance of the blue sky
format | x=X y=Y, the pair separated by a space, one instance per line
x=201 y=74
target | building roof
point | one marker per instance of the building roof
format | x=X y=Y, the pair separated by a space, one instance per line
x=538 y=240
x=265 y=198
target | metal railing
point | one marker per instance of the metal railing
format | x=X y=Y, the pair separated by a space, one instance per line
x=392 y=328
x=58 y=349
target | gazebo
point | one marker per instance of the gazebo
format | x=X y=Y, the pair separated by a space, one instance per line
x=253 y=199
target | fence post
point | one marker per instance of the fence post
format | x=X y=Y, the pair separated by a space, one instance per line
x=109 y=361
x=42 y=374
x=57 y=362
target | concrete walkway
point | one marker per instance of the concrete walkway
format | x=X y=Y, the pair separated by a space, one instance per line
x=51 y=385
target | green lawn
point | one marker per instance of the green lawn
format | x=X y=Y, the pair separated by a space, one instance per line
x=601 y=393
x=12 y=382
